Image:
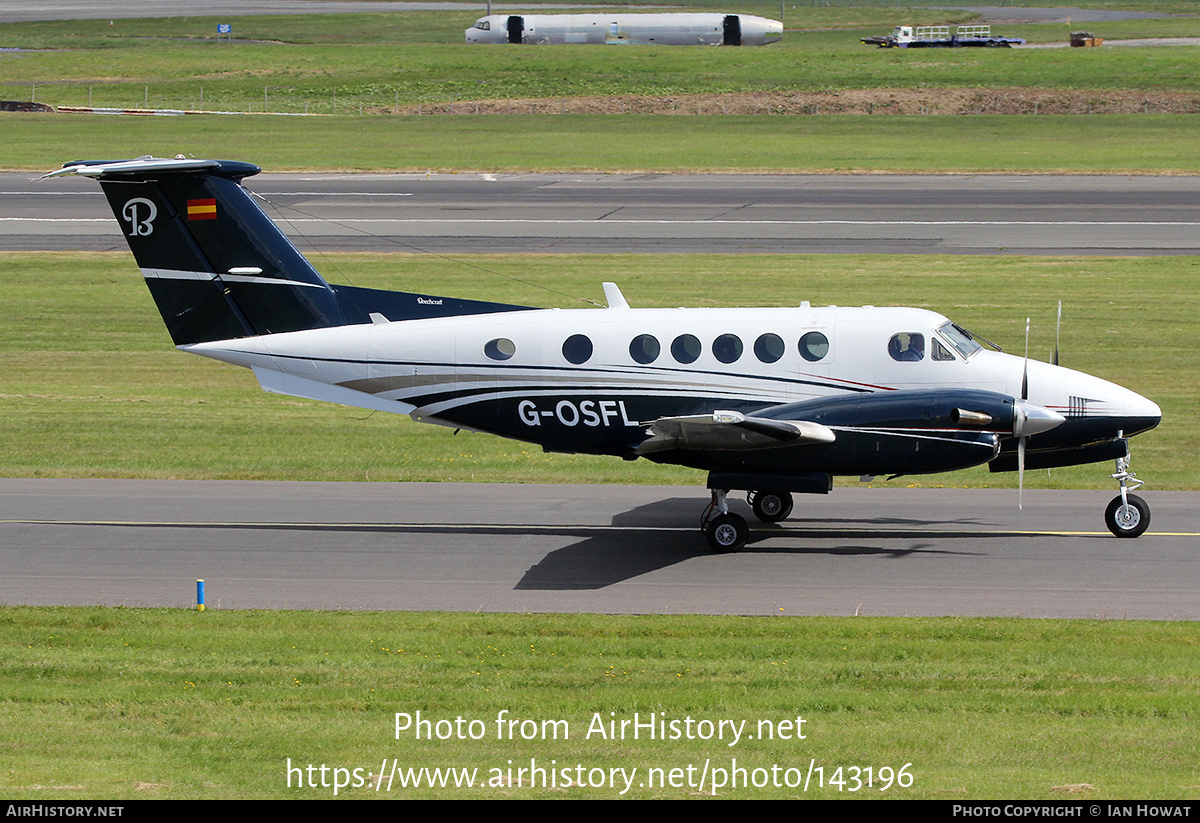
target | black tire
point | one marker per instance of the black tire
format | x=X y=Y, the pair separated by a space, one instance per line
x=1127 y=520
x=726 y=533
x=771 y=507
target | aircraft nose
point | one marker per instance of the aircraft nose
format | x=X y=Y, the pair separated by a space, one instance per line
x=1144 y=409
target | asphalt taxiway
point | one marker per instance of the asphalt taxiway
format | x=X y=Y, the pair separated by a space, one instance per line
x=606 y=549
x=665 y=213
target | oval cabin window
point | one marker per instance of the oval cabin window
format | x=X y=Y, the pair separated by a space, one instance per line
x=686 y=348
x=727 y=348
x=500 y=349
x=814 y=346
x=644 y=348
x=577 y=349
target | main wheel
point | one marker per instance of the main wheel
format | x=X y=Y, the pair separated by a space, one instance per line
x=771 y=507
x=1127 y=519
x=726 y=533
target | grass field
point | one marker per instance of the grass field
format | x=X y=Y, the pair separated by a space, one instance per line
x=379 y=64
x=169 y=74
x=122 y=703
x=339 y=63
x=1100 y=144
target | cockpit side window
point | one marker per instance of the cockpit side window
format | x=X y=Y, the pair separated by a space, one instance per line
x=483 y=24
x=907 y=347
x=940 y=352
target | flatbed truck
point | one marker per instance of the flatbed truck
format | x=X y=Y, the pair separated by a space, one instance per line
x=939 y=37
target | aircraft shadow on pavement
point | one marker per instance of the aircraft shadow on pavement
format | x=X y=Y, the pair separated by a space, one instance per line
x=663 y=533
x=666 y=532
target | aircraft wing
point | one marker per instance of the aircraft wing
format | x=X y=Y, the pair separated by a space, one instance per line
x=730 y=430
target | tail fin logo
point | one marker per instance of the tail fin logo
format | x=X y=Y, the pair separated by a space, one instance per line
x=202 y=209
x=140 y=223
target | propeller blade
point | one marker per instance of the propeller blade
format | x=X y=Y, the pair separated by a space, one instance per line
x=1025 y=373
x=1024 y=424
x=1057 y=328
x=1021 y=474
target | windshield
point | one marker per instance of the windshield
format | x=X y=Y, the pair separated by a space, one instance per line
x=959 y=339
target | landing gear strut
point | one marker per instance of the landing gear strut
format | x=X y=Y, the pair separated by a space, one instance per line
x=1127 y=515
x=725 y=531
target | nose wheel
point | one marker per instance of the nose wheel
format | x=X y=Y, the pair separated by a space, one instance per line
x=1127 y=514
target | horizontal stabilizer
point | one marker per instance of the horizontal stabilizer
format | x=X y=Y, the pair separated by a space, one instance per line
x=142 y=166
x=724 y=430
x=293 y=386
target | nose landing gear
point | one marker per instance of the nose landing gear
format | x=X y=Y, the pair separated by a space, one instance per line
x=1127 y=514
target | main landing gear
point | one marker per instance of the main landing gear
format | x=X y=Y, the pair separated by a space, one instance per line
x=1127 y=515
x=728 y=532
x=770 y=507
x=725 y=531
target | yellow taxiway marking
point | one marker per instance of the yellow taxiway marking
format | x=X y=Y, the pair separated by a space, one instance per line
x=799 y=529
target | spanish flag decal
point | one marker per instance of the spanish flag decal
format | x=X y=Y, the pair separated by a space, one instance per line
x=202 y=209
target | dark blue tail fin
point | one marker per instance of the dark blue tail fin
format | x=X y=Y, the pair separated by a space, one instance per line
x=217 y=266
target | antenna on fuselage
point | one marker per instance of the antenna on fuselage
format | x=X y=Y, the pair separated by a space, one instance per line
x=613 y=296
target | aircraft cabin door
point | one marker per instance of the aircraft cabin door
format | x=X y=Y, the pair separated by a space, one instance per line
x=516 y=28
x=733 y=30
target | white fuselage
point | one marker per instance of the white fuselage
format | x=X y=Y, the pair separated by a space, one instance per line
x=621 y=28
x=637 y=369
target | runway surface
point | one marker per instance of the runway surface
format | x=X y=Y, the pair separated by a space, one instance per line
x=662 y=213
x=607 y=549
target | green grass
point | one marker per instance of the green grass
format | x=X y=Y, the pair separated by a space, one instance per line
x=122 y=703
x=1104 y=144
x=379 y=64
x=91 y=387
x=324 y=63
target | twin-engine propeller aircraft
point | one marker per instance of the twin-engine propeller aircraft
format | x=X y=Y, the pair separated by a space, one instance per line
x=772 y=401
